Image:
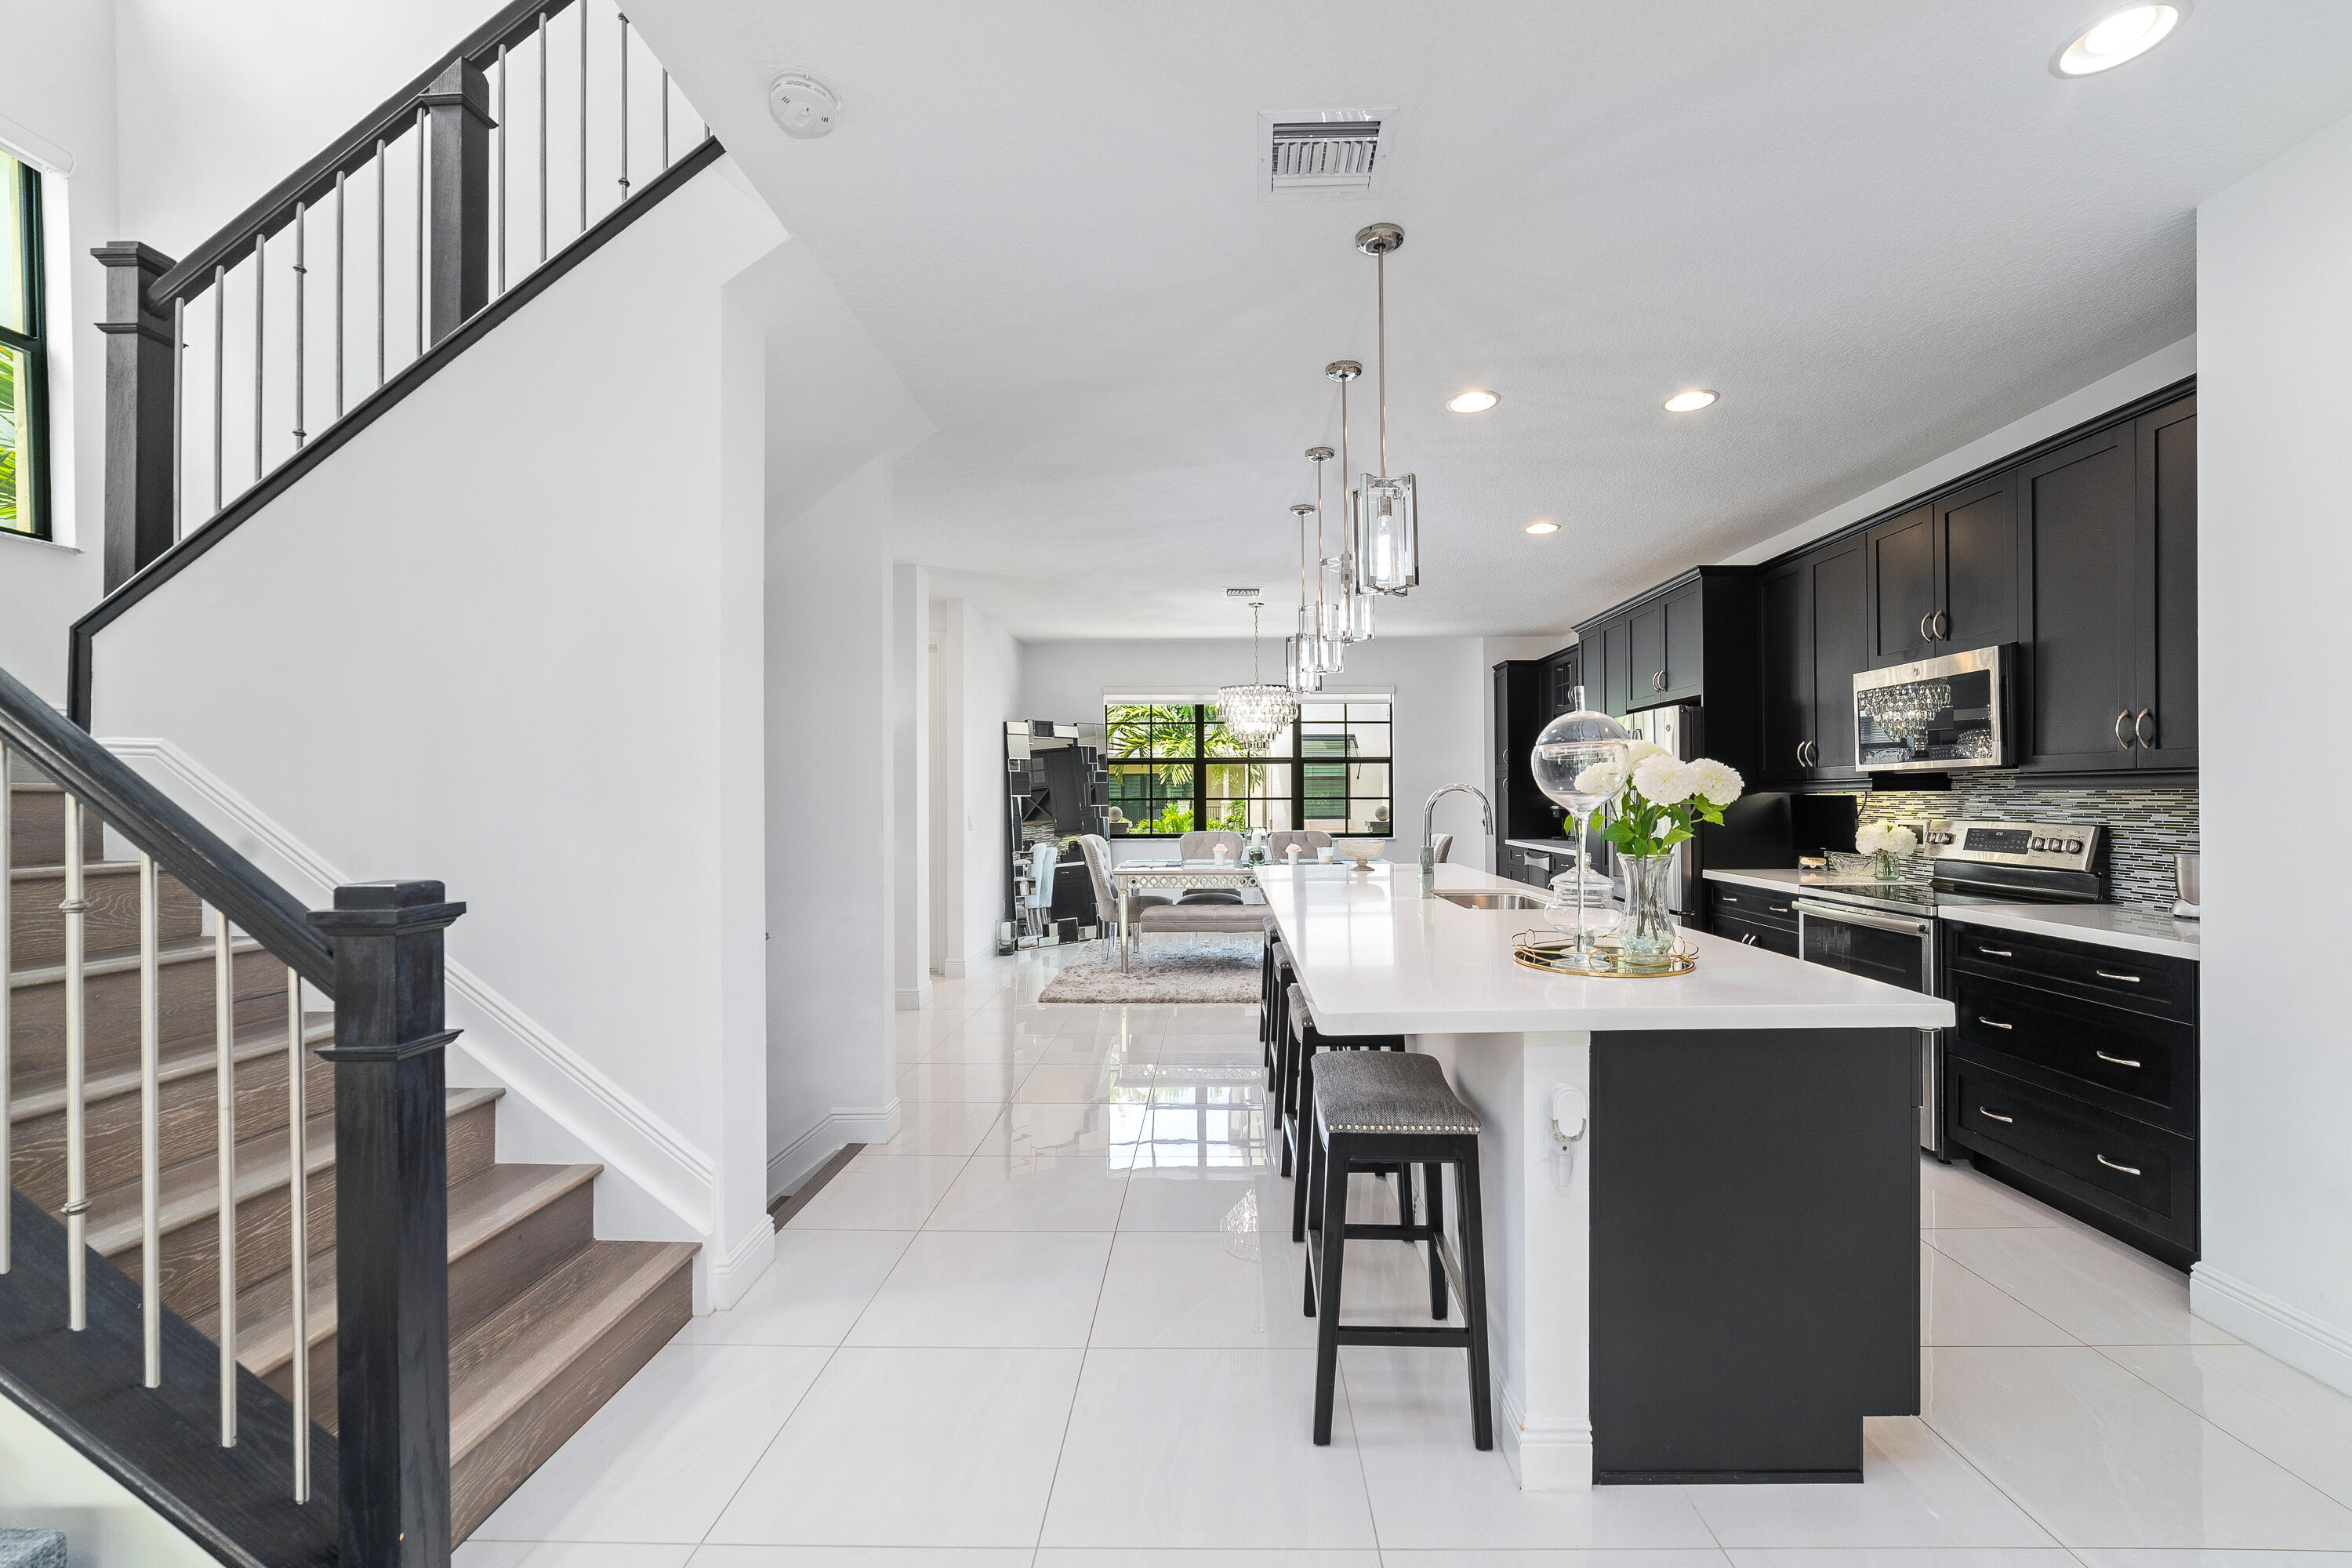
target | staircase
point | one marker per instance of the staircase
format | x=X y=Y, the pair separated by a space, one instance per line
x=545 y=1321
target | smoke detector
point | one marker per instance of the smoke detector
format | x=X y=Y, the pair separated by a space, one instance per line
x=804 y=107
x=1310 y=154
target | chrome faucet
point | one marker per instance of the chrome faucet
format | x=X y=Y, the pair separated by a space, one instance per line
x=1428 y=830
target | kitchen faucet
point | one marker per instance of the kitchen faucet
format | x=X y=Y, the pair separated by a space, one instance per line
x=1428 y=830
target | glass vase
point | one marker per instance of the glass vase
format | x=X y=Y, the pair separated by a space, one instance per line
x=1649 y=929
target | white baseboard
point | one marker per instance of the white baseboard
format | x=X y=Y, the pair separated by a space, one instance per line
x=914 y=998
x=733 y=1272
x=2264 y=1321
x=1543 y=1456
x=951 y=968
x=633 y=1143
x=797 y=1161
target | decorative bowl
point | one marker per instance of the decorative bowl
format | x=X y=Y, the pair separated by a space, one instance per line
x=1363 y=851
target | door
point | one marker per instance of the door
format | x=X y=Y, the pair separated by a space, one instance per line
x=1841 y=629
x=1646 y=639
x=1976 y=566
x=2082 y=676
x=1785 y=608
x=1905 y=589
x=2166 y=718
x=1617 y=657
x=1684 y=663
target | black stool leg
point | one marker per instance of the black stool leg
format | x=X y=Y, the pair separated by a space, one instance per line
x=1333 y=1211
x=1473 y=1233
x=1302 y=1068
x=1433 y=1198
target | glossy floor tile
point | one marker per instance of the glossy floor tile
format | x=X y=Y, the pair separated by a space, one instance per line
x=1056 y=1322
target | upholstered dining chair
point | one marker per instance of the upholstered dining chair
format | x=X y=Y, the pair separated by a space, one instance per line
x=1440 y=847
x=1202 y=845
x=1096 y=851
x=1277 y=845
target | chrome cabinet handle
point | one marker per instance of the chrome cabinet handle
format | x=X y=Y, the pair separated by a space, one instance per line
x=2119 y=1061
x=1923 y=627
x=1994 y=1115
x=2106 y=974
x=2110 y=1164
x=1726 y=899
x=1993 y=1023
x=1943 y=626
x=1800 y=753
x=1777 y=909
x=2120 y=739
x=2140 y=728
x=1749 y=940
x=1996 y=953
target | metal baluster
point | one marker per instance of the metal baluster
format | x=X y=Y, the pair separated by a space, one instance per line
x=220 y=355
x=179 y=422
x=583 y=9
x=339 y=293
x=298 y=1202
x=260 y=317
x=150 y=1132
x=624 y=108
x=664 y=117
x=7 y=947
x=224 y=1159
x=502 y=168
x=543 y=136
x=76 y=1172
x=420 y=232
x=381 y=174
x=301 y=274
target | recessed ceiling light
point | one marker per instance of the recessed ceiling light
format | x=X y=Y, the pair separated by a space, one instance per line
x=2124 y=35
x=1475 y=402
x=1543 y=528
x=1689 y=402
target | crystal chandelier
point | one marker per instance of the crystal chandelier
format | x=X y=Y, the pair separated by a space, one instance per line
x=1384 y=529
x=1254 y=714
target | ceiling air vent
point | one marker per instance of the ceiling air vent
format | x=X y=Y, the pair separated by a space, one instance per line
x=1308 y=155
x=1240 y=593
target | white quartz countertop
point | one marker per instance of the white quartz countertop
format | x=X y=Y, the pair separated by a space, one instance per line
x=1374 y=957
x=2123 y=926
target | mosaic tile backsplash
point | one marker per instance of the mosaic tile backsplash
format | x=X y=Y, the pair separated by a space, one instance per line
x=2146 y=827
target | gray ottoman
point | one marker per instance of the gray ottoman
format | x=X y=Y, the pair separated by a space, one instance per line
x=32 y=1549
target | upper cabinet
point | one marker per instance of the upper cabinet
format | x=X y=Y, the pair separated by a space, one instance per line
x=1944 y=578
x=2165 y=576
x=1812 y=611
x=1692 y=640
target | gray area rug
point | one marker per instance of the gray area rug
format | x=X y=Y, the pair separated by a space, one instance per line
x=1167 y=969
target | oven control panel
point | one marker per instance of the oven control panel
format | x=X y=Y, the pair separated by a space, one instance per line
x=2061 y=845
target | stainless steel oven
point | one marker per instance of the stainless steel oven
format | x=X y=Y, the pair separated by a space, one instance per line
x=1936 y=715
x=1898 y=949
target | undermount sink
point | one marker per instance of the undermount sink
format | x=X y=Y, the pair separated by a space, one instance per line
x=1495 y=900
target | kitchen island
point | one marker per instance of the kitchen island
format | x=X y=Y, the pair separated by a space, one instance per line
x=1716 y=1277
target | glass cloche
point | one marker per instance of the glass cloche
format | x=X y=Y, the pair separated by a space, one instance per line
x=1567 y=746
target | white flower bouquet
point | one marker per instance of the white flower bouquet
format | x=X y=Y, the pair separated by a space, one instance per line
x=1656 y=802
x=1885 y=843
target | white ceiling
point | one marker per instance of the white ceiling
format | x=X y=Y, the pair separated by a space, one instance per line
x=1879 y=230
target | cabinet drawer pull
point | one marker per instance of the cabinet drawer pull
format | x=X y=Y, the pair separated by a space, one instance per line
x=2110 y=1164
x=1996 y=953
x=1993 y=1115
x=1749 y=940
x=2140 y=728
x=1994 y=1023
x=2121 y=739
x=1725 y=898
x=1777 y=909
x=2119 y=1061
x=1923 y=627
x=1943 y=626
x=2106 y=974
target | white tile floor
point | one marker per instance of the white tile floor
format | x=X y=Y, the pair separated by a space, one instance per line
x=1055 y=1323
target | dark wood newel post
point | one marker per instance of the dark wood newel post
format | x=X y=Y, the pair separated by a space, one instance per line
x=458 y=126
x=391 y=1221
x=139 y=411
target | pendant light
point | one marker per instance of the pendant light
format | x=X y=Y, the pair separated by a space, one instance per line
x=1388 y=535
x=1254 y=714
x=1358 y=621
x=1303 y=651
x=1330 y=587
x=1317 y=651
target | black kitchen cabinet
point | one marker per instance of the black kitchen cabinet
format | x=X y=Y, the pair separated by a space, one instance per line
x=1784 y=614
x=1563 y=673
x=1614 y=641
x=1692 y=640
x=1813 y=614
x=2108 y=535
x=1944 y=578
x=1523 y=697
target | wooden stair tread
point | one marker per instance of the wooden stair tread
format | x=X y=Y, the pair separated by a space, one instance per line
x=190 y=1191
x=128 y=963
x=508 y=1360
x=40 y=1090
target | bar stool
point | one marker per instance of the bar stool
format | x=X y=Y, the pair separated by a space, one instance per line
x=1375 y=1109
x=1274 y=983
x=1301 y=1042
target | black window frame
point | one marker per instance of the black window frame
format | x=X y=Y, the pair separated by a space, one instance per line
x=33 y=392
x=1297 y=758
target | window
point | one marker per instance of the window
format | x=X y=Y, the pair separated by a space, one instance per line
x=24 y=426
x=1175 y=767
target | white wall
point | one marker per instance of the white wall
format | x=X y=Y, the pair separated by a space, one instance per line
x=975 y=682
x=2274 y=332
x=831 y=1077
x=1440 y=691
x=46 y=1484
x=910 y=787
x=506 y=664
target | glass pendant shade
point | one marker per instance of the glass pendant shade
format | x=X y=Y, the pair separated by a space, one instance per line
x=1387 y=544
x=1359 y=618
x=1301 y=672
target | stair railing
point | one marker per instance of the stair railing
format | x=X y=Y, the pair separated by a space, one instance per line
x=377 y=956
x=472 y=178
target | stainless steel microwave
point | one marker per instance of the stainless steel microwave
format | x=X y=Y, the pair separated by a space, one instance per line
x=1936 y=715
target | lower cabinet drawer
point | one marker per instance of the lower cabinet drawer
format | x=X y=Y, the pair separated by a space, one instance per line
x=2142 y=1066
x=2126 y=1169
x=1752 y=904
x=1527 y=866
x=1734 y=927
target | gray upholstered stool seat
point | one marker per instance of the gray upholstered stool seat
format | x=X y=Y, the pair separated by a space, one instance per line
x=1387 y=1092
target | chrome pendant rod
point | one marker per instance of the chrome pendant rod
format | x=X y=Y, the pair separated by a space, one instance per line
x=298 y=1191
x=8 y=950
x=224 y=1158
x=150 y=1133
x=77 y=1172
x=1381 y=316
